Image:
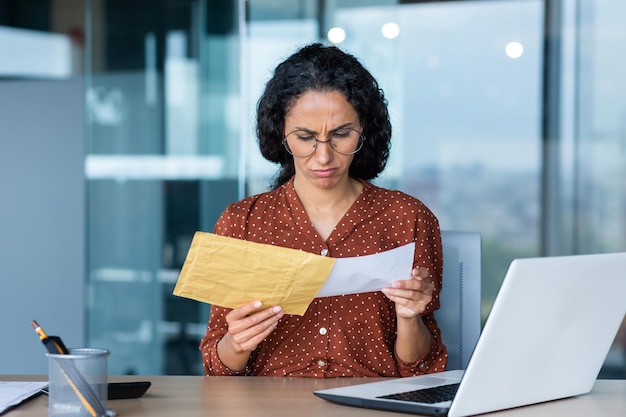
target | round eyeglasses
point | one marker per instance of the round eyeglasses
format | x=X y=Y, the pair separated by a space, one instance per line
x=345 y=141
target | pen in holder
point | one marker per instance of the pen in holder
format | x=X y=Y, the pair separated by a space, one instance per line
x=78 y=383
x=77 y=379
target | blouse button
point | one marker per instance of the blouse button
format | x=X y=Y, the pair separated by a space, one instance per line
x=323 y=331
x=324 y=252
x=321 y=363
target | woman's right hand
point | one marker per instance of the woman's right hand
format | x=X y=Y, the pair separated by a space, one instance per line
x=248 y=326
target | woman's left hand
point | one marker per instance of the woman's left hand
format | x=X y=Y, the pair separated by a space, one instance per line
x=412 y=295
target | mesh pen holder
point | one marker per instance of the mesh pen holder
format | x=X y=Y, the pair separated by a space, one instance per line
x=78 y=383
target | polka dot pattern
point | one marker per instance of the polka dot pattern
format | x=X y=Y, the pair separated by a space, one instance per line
x=350 y=335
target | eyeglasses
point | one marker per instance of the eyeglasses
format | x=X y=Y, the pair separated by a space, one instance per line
x=345 y=141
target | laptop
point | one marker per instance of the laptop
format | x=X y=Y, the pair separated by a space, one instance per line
x=547 y=335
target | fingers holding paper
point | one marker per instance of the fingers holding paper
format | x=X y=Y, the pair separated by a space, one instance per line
x=248 y=326
x=412 y=295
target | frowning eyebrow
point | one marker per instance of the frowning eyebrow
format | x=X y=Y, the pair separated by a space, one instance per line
x=312 y=132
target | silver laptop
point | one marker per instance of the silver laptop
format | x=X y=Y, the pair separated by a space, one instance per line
x=546 y=337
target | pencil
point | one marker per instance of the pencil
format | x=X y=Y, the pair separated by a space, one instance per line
x=53 y=344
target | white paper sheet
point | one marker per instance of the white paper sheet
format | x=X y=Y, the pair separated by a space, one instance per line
x=13 y=393
x=370 y=272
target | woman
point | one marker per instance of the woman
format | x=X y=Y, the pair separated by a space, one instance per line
x=323 y=118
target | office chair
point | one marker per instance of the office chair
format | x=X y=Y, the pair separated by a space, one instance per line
x=459 y=317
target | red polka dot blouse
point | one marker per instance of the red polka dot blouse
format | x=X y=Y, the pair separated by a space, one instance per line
x=339 y=336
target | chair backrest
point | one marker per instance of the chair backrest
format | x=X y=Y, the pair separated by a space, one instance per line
x=459 y=317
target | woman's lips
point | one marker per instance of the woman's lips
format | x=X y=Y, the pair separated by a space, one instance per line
x=324 y=173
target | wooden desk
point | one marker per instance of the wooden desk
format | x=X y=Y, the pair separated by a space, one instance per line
x=191 y=396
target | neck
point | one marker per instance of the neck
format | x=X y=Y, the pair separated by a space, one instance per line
x=340 y=197
x=325 y=207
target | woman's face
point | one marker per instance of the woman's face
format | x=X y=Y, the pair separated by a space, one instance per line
x=322 y=115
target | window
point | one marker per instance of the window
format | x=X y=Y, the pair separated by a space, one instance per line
x=170 y=137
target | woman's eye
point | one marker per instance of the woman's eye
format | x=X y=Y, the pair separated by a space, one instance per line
x=305 y=137
x=341 y=134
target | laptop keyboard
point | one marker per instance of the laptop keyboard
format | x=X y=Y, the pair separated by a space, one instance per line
x=426 y=395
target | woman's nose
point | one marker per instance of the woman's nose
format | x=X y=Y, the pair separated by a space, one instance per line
x=324 y=151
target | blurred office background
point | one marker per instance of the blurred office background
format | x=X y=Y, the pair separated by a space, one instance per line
x=125 y=126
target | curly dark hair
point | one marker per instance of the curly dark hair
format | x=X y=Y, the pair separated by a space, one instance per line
x=316 y=67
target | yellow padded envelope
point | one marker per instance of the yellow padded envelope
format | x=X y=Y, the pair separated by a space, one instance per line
x=229 y=272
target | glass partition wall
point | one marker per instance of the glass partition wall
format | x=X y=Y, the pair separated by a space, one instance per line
x=163 y=146
x=171 y=89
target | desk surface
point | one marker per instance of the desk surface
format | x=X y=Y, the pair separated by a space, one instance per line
x=191 y=396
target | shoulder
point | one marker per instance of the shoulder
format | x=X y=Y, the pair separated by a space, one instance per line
x=238 y=214
x=396 y=200
x=261 y=200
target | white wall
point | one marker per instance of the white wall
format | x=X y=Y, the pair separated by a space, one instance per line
x=42 y=218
